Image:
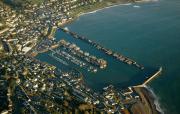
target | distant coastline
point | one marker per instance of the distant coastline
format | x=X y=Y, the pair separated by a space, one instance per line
x=96 y=8
x=111 y=6
x=114 y=5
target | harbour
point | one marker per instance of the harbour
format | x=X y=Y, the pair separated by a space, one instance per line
x=71 y=54
x=121 y=59
x=149 y=47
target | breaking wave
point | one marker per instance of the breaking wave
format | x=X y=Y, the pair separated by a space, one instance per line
x=156 y=100
x=127 y=4
x=66 y=28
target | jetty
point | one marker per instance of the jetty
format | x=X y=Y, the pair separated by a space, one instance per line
x=107 y=51
x=58 y=54
x=56 y=58
x=151 y=78
x=76 y=51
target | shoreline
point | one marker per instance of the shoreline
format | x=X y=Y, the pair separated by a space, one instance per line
x=100 y=8
x=116 y=5
x=103 y=7
x=156 y=100
x=107 y=7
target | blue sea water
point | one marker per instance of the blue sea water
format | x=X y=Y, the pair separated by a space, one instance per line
x=147 y=32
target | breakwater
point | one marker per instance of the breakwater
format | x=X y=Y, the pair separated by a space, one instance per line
x=107 y=51
x=150 y=78
x=153 y=76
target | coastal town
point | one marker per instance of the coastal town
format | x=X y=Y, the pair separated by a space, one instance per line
x=39 y=88
x=28 y=85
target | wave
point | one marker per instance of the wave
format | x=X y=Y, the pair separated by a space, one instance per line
x=127 y=4
x=141 y=1
x=136 y=6
x=66 y=28
x=156 y=100
x=88 y=12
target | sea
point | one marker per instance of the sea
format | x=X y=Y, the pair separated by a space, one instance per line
x=148 y=32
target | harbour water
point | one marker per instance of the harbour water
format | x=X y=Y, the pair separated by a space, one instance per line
x=148 y=33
